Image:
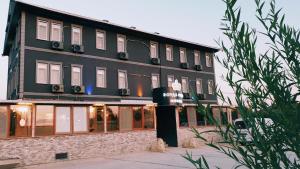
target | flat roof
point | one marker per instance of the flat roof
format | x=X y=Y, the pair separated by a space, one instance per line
x=215 y=49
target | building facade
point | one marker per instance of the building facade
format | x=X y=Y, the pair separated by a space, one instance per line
x=70 y=75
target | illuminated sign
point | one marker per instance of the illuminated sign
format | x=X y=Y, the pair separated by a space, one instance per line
x=168 y=96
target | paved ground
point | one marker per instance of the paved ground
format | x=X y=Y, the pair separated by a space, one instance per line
x=171 y=159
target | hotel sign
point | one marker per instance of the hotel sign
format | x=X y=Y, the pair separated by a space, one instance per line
x=168 y=96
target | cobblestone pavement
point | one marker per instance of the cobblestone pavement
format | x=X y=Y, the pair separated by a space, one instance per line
x=171 y=159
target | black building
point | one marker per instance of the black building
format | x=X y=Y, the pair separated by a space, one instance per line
x=62 y=56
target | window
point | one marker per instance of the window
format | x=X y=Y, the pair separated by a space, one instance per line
x=169 y=52
x=100 y=39
x=185 y=84
x=209 y=60
x=199 y=88
x=197 y=58
x=44 y=120
x=101 y=77
x=137 y=117
x=121 y=43
x=42 y=73
x=3 y=121
x=62 y=120
x=200 y=115
x=112 y=118
x=210 y=87
x=55 y=74
x=170 y=80
x=20 y=121
x=149 y=117
x=96 y=119
x=154 y=49
x=125 y=118
x=56 y=31
x=183 y=117
x=76 y=76
x=155 y=81
x=80 y=119
x=122 y=79
x=76 y=35
x=191 y=111
x=42 y=29
x=183 y=55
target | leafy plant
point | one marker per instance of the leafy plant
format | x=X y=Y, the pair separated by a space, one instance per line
x=265 y=85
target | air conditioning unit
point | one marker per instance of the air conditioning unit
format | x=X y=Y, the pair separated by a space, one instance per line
x=57 y=45
x=184 y=65
x=198 y=67
x=78 y=89
x=201 y=96
x=186 y=96
x=123 y=55
x=56 y=88
x=124 y=92
x=78 y=48
x=155 y=61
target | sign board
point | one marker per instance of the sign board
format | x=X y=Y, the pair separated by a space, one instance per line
x=167 y=96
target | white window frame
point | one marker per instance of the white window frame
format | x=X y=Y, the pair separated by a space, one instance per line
x=60 y=33
x=209 y=59
x=38 y=20
x=195 y=57
x=180 y=57
x=81 y=69
x=104 y=39
x=187 y=84
x=60 y=72
x=170 y=76
x=210 y=88
x=154 y=55
x=37 y=72
x=72 y=35
x=158 y=80
x=199 y=90
x=105 y=82
x=171 y=57
x=125 y=43
x=126 y=79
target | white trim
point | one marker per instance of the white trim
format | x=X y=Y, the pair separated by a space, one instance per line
x=72 y=38
x=158 y=79
x=199 y=55
x=172 y=57
x=156 y=49
x=171 y=76
x=61 y=30
x=104 y=40
x=185 y=56
x=126 y=80
x=187 y=84
x=81 y=70
x=44 y=20
x=22 y=54
x=201 y=83
x=125 y=42
x=105 y=81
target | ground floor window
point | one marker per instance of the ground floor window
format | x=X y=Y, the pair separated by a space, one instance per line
x=183 y=117
x=137 y=117
x=63 y=120
x=96 y=122
x=3 y=121
x=44 y=120
x=112 y=118
x=20 y=121
x=201 y=118
x=80 y=119
x=125 y=118
x=149 y=117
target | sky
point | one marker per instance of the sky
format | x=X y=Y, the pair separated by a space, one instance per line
x=193 y=20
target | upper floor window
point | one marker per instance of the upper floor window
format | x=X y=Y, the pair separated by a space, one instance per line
x=101 y=77
x=55 y=74
x=209 y=60
x=76 y=35
x=122 y=79
x=155 y=81
x=42 y=73
x=197 y=58
x=56 y=31
x=42 y=29
x=184 y=84
x=100 y=39
x=183 y=58
x=199 y=88
x=154 y=49
x=170 y=80
x=169 y=52
x=76 y=76
x=210 y=86
x=121 y=43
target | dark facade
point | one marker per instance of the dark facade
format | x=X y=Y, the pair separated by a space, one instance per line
x=25 y=50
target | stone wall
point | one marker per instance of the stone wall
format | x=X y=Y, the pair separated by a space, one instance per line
x=43 y=149
x=185 y=134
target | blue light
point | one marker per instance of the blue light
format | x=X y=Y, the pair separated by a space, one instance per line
x=89 y=89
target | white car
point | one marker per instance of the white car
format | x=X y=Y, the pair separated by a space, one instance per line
x=246 y=132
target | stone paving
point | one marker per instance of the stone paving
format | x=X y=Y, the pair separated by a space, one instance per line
x=171 y=159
